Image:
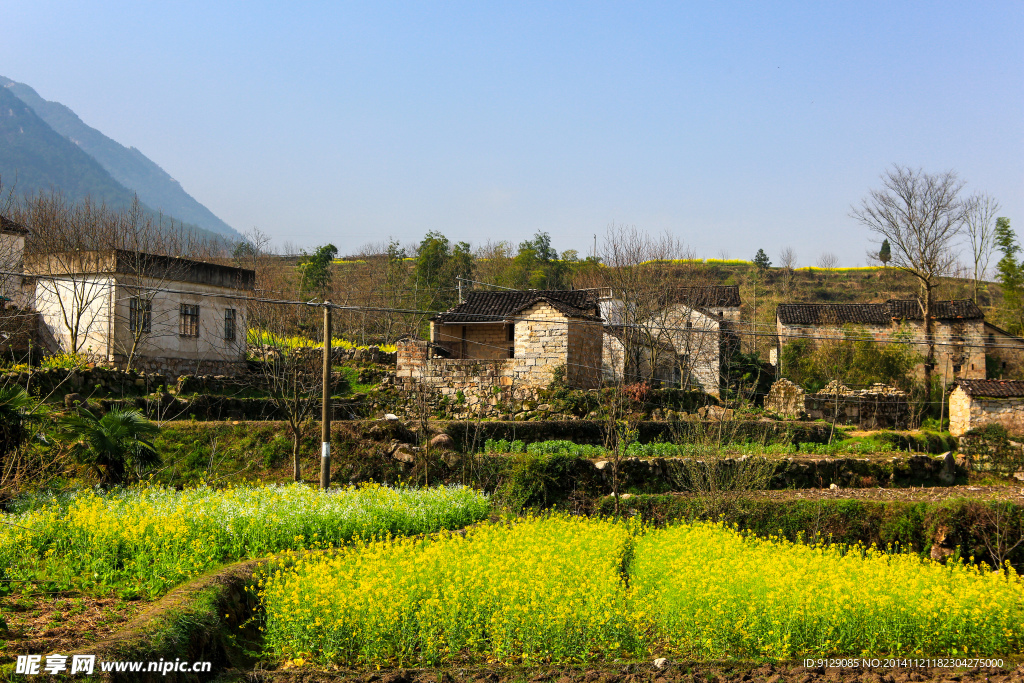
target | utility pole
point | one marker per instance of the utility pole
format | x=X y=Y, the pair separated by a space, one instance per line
x=325 y=418
x=460 y=289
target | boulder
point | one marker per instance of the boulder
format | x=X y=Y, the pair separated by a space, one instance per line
x=442 y=441
x=73 y=400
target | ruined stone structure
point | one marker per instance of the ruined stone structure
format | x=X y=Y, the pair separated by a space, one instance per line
x=156 y=313
x=958 y=328
x=976 y=403
x=502 y=345
x=785 y=399
x=878 y=407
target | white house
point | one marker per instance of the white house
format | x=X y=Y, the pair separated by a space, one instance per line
x=156 y=313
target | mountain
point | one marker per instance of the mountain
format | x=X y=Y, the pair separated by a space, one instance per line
x=126 y=166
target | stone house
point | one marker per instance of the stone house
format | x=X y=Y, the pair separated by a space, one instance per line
x=976 y=403
x=156 y=313
x=507 y=341
x=958 y=328
x=1004 y=353
x=684 y=339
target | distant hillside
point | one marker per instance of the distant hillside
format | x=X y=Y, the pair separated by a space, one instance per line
x=35 y=157
x=126 y=166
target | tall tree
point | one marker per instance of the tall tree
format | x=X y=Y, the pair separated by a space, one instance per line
x=980 y=227
x=885 y=253
x=537 y=265
x=1010 y=273
x=439 y=266
x=920 y=215
x=315 y=270
x=762 y=261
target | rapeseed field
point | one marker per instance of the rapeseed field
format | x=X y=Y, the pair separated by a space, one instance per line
x=565 y=590
x=143 y=541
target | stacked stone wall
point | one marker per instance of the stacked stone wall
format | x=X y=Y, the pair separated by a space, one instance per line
x=541 y=345
x=972 y=412
x=785 y=399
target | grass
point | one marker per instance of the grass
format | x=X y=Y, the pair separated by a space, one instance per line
x=856 y=446
x=566 y=590
x=143 y=541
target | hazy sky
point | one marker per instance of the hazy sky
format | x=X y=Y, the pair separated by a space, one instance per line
x=732 y=125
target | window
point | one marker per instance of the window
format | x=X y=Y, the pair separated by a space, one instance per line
x=188 y=325
x=229 y=324
x=991 y=339
x=140 y=315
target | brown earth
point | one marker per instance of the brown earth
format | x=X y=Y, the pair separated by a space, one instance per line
x=46 y=624
x=673 y=673
x=1009 y=493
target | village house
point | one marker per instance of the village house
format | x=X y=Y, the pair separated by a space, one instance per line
x=979 y=402
x=958 y=330
x=12 y=252
x=507 y=341
x=1004 y=353
x=149 y=312
x=684 y=339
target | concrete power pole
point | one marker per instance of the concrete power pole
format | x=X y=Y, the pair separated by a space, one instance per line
x=325 y=417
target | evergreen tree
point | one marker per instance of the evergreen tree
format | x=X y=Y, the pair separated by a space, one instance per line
x=885 y=253
x=315 y=270
x=1010 y=273
x=762 y=261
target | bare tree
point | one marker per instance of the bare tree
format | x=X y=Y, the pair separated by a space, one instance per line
x=828 y=261
x=921 y=215
x=787 y=261
x=289 y=368
x=980 y=227
x=67 y=254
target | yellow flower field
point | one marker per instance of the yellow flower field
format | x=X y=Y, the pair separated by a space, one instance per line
x=144 y=541
x=536 y=590
x=554 y=590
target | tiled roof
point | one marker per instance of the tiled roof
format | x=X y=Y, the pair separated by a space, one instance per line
x=500 y=306
x=910 y=309
x=992 y=388
x=712 y=296
x=875 y=314
x=9 y=226
x=833 y=314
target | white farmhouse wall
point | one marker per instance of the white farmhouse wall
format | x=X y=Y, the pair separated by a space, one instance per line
x=78 y=312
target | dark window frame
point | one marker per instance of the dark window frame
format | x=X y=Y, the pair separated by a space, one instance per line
x=230 y=321
x=135 y=304
x=188 y=322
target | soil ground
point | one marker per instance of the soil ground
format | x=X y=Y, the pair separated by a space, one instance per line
x=46 y=624
x=1009 y=493
x=674 y=673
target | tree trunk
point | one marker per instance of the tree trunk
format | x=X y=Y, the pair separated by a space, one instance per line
x=296 y=465
x=929 y=339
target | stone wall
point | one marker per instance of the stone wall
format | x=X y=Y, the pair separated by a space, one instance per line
x=542 y=345
x=880 y=407
x=959 y=344
x=178 y=367
x=971 y=412
x=785 y=399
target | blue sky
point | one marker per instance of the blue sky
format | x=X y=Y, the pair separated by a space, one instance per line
x=734 y=126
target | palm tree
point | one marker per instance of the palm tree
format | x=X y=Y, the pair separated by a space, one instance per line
x=14 y=401
x=115 y=444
